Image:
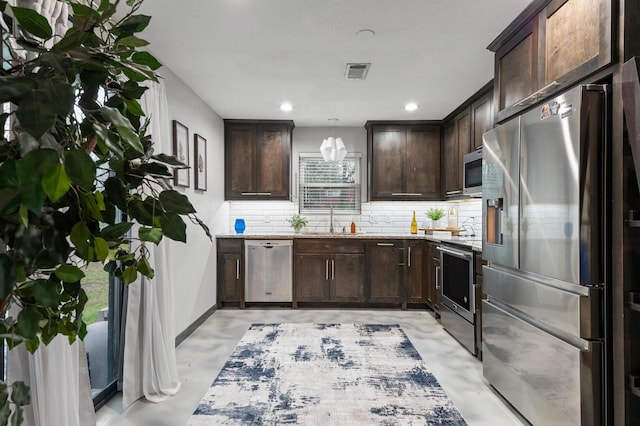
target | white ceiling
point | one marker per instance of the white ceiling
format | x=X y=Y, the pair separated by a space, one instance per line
x=245 y=57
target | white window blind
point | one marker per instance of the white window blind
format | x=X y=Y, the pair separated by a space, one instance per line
x=325 y=184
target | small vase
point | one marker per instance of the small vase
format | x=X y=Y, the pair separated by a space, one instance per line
x=239 y=226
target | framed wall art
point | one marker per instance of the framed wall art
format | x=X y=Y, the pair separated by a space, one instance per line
x=181 y=151
x=200 y=162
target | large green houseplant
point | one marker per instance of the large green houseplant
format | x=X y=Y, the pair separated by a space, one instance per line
x=75 y=150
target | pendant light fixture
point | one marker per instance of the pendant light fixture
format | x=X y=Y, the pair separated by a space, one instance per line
x=333 y=148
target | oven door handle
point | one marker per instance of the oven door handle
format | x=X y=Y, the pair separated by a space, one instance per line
x=456 y=253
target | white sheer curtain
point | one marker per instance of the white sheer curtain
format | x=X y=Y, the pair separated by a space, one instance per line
x=58 y=378
x=57 y=374
x=150 y=369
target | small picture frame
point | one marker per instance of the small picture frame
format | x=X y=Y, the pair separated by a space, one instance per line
x=200 y=162
x=181 y=151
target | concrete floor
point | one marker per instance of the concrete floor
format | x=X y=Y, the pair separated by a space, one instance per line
x=202 y=355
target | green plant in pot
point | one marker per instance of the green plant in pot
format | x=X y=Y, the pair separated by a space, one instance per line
x=435 y=214
x=297 y=222
x=76 y=151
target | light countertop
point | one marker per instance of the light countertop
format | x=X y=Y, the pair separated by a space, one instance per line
x=475 y=243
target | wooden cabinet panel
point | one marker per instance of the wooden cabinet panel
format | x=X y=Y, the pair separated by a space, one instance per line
x=230 y=279
x=457 y=144
x=257 y=159
x=347 y=278
x=572 y=37
x=311 y=277
x=416 y=272
x=516 y=71
x=385 y=272
x=423 y=161
x=388 y=162
x=241 y=154
x=404 y=161
x=482 y=115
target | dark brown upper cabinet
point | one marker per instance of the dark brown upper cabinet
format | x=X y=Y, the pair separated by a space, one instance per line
x=481 y=119
x=404 y=160
x=550 y=46
x=257 y=159
x=457 y=143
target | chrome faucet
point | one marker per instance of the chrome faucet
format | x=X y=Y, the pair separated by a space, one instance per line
x=331 y=220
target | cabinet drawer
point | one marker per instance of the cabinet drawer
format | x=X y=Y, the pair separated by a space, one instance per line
x=330 y=245
x=230 y=245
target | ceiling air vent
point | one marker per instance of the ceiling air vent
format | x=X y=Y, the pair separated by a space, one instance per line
x=356 y=71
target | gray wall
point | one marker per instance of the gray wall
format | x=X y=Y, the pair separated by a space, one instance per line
x=194 y=263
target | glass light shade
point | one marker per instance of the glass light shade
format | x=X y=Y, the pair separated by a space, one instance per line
x=333 y=149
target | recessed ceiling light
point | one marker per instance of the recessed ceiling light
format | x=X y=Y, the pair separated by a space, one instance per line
x=286 y=106
x=411 y=106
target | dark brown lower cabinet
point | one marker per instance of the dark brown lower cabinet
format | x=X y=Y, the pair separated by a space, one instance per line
x=416 y=271
x=230 y=280
x=385 y=272
x=329 y=271
x=432 y=260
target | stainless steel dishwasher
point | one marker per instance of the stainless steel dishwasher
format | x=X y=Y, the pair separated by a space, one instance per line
x=268 y=270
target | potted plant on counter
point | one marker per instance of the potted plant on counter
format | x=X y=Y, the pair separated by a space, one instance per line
x=297 y=222
x=435 y=215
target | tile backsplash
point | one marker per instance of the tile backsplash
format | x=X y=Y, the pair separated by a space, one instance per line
x=375 y=217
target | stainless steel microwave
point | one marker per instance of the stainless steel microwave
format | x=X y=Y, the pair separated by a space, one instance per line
x=472 y=174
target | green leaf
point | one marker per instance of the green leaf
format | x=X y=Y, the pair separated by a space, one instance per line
x=69 y=273
x=116 y=192
x=46 y=293
x=153 y=169
x=5 y=411
x=55 y=182
x=175 y=202
x=8 y=174
x=146 y=58
x=17 y=418
x=30 y=169
x=132 y=41
x=90 y=205
x=132 y=90
x=37 y=113
x=101 y=248
x=135 y=24
x=109 y=139
x=133 y=107
x=20 y=393
x=113 y=232
x=153 y=235
x=15 y=87
x=28 y=322
x=4 y=394
x=145 y=268
x=80 y=168
x=130 y=138
x=141 y=211
x=60 y=94
x=9 y=201
x=170 y=160
x=80 y=237
x=32 y=22
x=130 y=274
x=7 y=276
x=114 y=116
x=174 y=227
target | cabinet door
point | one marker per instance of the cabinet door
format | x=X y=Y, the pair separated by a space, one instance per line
x=273 y=161
x=437 y=279
x=347 y=278
x=230 y=278
x=423 y=162
x=240 y=157
x=516 y=66
x=312 y=275
x=577 y=38
x=457 y=144
x=387 y=163
x=385 y=272
x=481 y=111
x=416 y=272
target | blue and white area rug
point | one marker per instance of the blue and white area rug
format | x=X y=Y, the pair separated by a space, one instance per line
x=325 y=374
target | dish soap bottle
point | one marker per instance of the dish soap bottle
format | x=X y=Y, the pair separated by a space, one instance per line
x=353 y=226
x=414 y=224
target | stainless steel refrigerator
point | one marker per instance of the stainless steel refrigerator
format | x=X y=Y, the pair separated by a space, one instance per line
x=545 y=213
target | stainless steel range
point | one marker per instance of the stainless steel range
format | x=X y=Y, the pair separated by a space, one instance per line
x=458 y=313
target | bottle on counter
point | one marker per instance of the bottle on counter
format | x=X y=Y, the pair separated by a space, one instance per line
x=353 y=226
x=414 y=224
